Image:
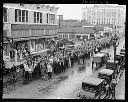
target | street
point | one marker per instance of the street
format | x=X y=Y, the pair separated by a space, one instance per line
x=65 y=85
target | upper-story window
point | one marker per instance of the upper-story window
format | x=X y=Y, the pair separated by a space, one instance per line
x=26 y=16
x=52 y=18
x=4 y=14
x=37 y=17
x=47 y=18
x=21 y=15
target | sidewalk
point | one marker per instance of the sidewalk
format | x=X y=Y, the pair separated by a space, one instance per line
x=120 y=88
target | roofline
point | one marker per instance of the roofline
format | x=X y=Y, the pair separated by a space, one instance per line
x=88 y=26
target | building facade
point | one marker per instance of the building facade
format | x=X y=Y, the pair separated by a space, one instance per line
x=29 y=25
x=105 y=14
x=76 y=30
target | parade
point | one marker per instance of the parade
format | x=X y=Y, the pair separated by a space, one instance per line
x=58 y=61
x=46 y=56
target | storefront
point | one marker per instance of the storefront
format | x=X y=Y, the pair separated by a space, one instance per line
x=37 y=45
x=6 y=50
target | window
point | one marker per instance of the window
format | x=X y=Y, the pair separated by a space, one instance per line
x=23 y=16
x=19 y=15
x=37 y=17
x=26 y=16
x=5 y=14
x=47 y=17
x=34 y=17
x=16 y=15
x=52 y=18
x=40 y=17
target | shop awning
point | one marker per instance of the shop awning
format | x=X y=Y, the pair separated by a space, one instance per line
x=41 y=53
x=34 y=37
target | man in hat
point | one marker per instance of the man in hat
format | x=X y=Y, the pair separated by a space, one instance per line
x=49 y=69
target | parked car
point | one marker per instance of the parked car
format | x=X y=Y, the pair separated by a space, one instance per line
x=100 y=59
x=110 y=65
x=106 y=74
x=92 y=88
x=122 y=51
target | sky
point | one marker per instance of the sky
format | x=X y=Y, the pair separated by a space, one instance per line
x=71 y=11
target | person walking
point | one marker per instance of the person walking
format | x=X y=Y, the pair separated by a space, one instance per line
x=31 y=67
x=49 y=67
x=42 y=66
x=92 y=65
x=13 y=71
x=69 y=62
x=26 y=72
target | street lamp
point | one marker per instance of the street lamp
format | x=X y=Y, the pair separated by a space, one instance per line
x=114 y=78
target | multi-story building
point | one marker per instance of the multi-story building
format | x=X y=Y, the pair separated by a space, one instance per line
x=105 y=14
x=29 y=25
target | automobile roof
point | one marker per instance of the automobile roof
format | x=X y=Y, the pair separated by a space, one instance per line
x=106 y=71
x=99 y=55
x=92 y=81
x=119 y=55
x=104 y=51
x=112 y=61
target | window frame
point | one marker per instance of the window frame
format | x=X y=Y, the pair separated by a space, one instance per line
x=23 y=16
x=16 y=15
x=47 y=17
x=19 y=15
x=40 y=17
x=26 y=16
x=35 y=17
x=5 y=15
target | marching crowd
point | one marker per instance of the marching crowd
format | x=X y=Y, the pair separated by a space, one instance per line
x=57 y=62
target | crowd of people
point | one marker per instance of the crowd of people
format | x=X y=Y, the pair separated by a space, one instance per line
x=58 y=61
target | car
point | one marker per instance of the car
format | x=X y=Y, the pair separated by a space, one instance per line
x=107 y=54
x=92 y=88
x=110 y=65
x=100 y=59
x=121 y=59
x=122 y=51
x=106 y=74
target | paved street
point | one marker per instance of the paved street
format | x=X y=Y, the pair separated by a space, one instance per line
x=68 y=87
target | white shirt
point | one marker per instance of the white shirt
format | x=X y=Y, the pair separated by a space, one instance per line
x=51 y=60
x=49 y=68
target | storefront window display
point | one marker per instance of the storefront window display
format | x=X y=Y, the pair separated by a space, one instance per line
x=37 y=45
x=22 y=49
x=6 y=49
x=33 y=48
